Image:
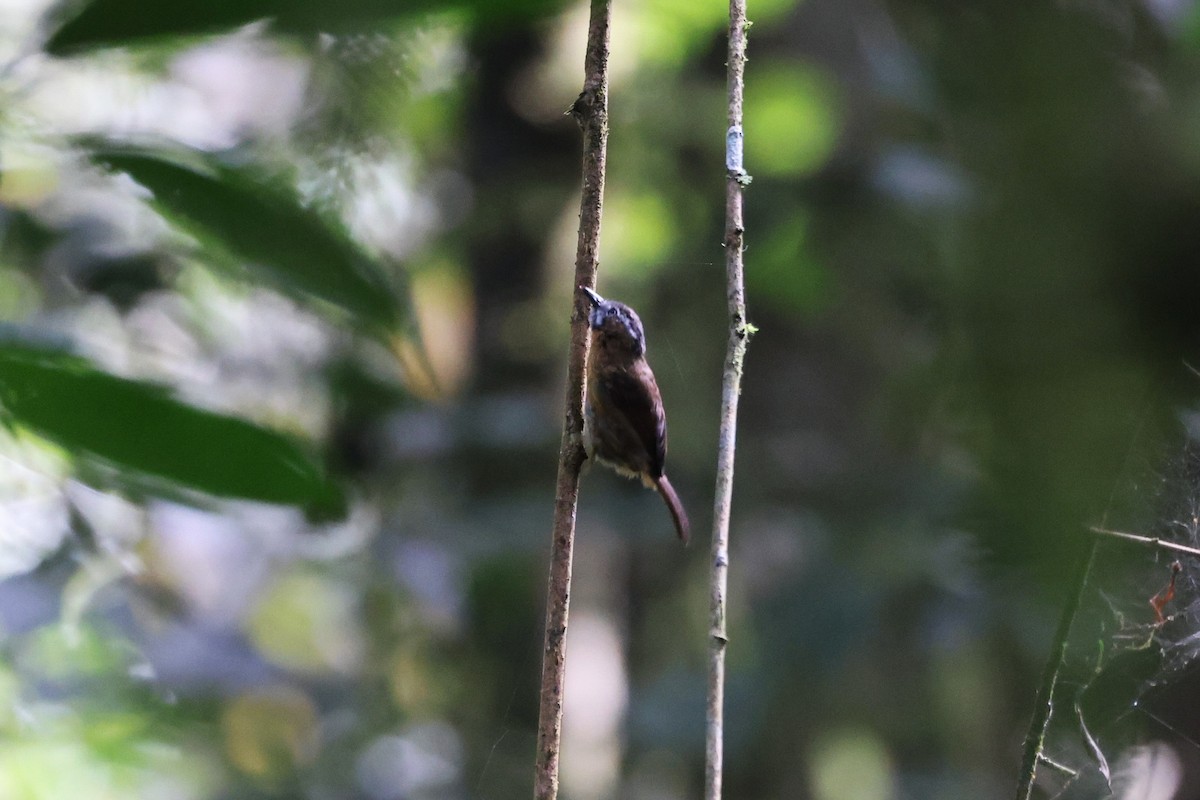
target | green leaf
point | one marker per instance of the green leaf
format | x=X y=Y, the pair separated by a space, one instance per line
x=292 y=247
x=793 y=119
x=139 y=427
x=125 y=22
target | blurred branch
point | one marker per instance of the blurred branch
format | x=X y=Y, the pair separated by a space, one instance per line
x=1149 y=541
x=739 y=332
x=1035 y=738
x=590 y=111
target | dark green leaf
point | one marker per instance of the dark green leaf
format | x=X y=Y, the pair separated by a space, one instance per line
x=292 y=247
x=140 y=427
x=124 y=22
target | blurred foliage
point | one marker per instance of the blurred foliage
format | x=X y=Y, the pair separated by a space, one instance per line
x=793 y=110
x=111 y=23
x=283 y=298
x=144 y=431
x=269 y=232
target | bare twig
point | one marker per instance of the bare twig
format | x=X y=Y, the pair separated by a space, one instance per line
x=590 y=110
x=1035 y=738
x=1057 y=767
x=1149 y=541
x=739 y=332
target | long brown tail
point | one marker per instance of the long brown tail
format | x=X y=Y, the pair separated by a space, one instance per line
x=677 y=513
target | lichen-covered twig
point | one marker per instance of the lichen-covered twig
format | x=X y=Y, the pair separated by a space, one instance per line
x=739 y=333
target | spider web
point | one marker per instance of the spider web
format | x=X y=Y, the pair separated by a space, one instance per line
x=1126 y=714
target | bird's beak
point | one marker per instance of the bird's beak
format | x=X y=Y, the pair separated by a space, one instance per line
x=595 y=298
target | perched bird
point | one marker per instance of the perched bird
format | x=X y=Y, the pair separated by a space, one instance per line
x=624 y=425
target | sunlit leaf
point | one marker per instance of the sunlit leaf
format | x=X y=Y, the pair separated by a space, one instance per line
x=308 y=622
x=268 y=733
x=140 y=427
x=290 y=246
x=123 y=22
x=793 y=118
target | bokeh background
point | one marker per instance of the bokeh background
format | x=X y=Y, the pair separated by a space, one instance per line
x=341 y=237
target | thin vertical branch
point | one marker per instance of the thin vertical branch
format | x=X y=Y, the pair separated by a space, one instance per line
x=1035 y=738
x=591 y=113
x=739 y=332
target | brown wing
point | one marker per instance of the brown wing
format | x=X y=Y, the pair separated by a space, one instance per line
x=635 y=395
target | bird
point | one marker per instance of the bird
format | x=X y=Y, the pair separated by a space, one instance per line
x=624 y=425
